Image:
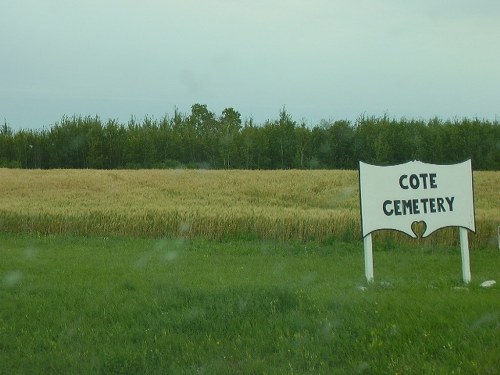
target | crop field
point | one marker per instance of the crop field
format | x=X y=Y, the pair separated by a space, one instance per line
x=233 y=272
x=282 y=205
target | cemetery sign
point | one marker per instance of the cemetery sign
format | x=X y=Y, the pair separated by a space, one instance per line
x=396 y=197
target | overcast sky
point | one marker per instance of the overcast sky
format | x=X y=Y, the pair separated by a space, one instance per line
x=320 y=59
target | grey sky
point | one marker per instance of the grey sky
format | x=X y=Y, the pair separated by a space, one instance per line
x=320 y=59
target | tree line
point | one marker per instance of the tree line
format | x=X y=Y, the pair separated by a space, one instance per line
x=202 y=139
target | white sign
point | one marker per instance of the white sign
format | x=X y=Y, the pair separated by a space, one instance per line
x=397 y=196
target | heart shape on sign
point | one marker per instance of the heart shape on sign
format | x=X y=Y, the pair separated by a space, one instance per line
x=419 y=227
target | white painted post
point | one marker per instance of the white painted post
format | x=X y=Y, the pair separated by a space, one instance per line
x=464 y=247
x=499 y=237
x=368 y=257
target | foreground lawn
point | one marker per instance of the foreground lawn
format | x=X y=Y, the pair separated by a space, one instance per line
x=129 y=306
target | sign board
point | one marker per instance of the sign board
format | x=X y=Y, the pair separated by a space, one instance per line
x=397 y=196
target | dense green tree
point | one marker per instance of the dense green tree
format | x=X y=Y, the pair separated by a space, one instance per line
x=206 y=131
x=202 y=139
x=303 y=149
x=340 y=139
x=114 y=136
x=230 y=126
x=7 y=153
x=281 y=150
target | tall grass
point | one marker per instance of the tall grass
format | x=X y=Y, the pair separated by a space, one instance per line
x=299 y=205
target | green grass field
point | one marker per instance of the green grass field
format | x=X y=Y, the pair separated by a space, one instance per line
x=96 y=305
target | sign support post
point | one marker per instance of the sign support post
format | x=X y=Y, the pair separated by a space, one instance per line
x=464 y=248
x=368 y=257
x=499 y=237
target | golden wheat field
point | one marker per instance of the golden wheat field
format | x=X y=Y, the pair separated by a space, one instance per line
x=287 y=205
